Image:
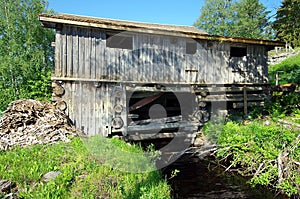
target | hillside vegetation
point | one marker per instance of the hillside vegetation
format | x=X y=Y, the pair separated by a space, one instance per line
x=289 y=70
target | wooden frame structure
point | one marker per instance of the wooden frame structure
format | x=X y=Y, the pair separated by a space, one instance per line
x=109 y=73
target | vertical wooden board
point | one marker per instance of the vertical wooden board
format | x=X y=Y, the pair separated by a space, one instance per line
x=97 y=110
x=164 y=72
x=160 y=66
x=218 y=71
x=249 y=67
x=108 y=108
x=64 y=52
x=140 y=73
x=140 y=61
x=108 y=63
x=97 y=53
x=204 y=62
x=265 y=65
x=73 y=101
x=75 y=52
x=58 y=54
x=119 y=65
x=83 y=108
x=128 y=66
x=81 y=53
x=132 y=68
x=173 y=55
x=156 y=64
x=147 y=63
x=100 y=100
x=87 y=57
x=78 y=106
x=69 y=61
x=170 y=56
x=93 y=54
x=101 y=54
x=210 y=65
x=252 y=61
x=92 y=108
x=151 y=56
x=106 y=102
x=115 y=67
x=223 y=65
x=259 y=64
x=66 y=96
x=114 y=63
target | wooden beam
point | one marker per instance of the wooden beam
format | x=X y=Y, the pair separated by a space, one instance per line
x=162 y=126
x=160 y=120
x=164 y=135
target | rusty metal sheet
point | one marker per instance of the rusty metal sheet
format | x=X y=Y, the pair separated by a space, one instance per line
x=143 y=102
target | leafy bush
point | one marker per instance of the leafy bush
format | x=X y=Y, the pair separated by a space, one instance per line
x=257 y=149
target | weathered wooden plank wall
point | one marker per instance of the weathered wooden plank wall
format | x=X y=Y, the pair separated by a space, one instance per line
x=82 y=53
x=90 y=106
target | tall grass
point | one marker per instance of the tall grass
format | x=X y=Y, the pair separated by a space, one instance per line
x=82 y=175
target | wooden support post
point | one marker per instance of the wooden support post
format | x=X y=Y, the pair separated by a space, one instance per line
x=245 y=101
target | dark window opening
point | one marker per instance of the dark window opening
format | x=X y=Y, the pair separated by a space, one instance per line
x=119 y=41
x=191 y=48
x=238 y=51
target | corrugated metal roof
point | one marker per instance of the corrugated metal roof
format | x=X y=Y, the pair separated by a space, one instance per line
x=51 y=21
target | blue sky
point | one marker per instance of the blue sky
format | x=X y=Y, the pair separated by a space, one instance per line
x=183 y=12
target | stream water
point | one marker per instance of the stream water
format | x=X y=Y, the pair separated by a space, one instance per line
x=200 y=179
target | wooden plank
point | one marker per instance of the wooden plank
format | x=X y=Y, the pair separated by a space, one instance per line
x=69 y=52
x=160 y=120
x=75 y=52
x=158 y=126
x=81 y=53
x=228 y=89
x=239 y=105
x=87 y=56
x=234 y=97
x=58 y=54
x=93 y=70
x=64 y=52
x=163 y=135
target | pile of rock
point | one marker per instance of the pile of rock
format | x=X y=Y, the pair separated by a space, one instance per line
x=28 y=122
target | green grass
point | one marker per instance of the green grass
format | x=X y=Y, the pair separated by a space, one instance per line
x=290 y=68
x=84 y=175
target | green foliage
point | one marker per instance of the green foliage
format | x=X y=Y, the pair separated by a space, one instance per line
x=289 y=70
x=83 y=175
x=216 y=15
x=286 y=25
x=282 y=104
x=245 y=18
x=26 y=53
x=254 y=148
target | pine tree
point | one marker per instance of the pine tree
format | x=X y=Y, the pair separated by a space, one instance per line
x=216 y=17
x=25 y=54
x=252 y=20
x=287 y=23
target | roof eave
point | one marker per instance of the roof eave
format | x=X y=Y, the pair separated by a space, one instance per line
x=49 y=21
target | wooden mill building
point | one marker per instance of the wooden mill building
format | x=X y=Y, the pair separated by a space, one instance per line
x=109 y=74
